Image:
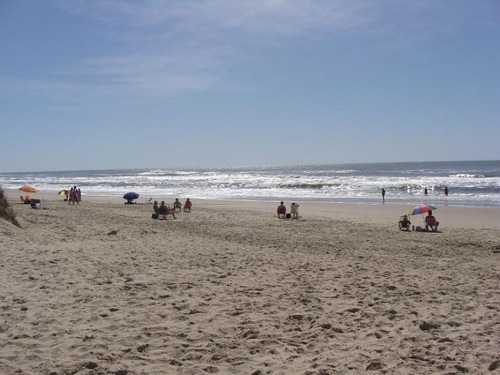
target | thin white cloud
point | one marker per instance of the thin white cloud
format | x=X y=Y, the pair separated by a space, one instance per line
x=257 y=17
x=167 y=62
x=158 y=72
x=185 y=45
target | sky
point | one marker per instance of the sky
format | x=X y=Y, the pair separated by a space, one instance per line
x=87 y=84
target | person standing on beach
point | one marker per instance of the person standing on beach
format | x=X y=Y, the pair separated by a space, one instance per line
x=425 y=191
x=446 y=190
x=78 y=195
x=74 y=196
x=71 y=196
x=156 y=209
x=383 y=195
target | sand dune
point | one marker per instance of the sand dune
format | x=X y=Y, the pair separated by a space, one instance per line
x=231 y=289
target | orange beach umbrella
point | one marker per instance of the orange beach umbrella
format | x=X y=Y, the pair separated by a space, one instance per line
x=28 y=189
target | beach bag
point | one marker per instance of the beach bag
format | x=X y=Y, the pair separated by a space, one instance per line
x=288 y=216
x=35 y=203
x=154 y=216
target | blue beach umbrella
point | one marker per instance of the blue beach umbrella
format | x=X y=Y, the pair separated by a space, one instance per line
x=131 y=196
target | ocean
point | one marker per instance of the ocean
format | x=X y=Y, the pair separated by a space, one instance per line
x=470 y=183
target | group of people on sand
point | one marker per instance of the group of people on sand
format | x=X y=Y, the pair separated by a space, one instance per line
x=431 y=224
x=74 y=195
x=294 y=211
x=161 y=211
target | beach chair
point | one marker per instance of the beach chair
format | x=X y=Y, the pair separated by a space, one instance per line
x=177 y=206
x=162 y=212
x=281 y=210
x=165 y=211
x=170 y=212
x=404 y=222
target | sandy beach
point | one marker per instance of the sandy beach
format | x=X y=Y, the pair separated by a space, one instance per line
x=101 y=288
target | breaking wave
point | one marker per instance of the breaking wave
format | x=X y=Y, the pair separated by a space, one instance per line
x=469 y=183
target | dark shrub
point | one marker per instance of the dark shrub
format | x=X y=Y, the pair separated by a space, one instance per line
x=6 y=211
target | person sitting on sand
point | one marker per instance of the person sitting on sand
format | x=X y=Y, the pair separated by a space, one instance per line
x=177 y=205
x=281 y=211
x=187 y=205
x=162 y=211
x=156 y=210
x=294 y=209
x=404 y=222
x=430 y=222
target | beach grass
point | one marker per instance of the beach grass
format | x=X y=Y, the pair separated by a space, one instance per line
x=6 y=212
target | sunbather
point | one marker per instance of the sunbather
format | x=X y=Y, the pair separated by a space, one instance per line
x=162 y=211
x=404 y=222
x=430 y=222
x=177 y=205
x=187 y=205
x=156 y=210
x=281 y=211
x=165 y=210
